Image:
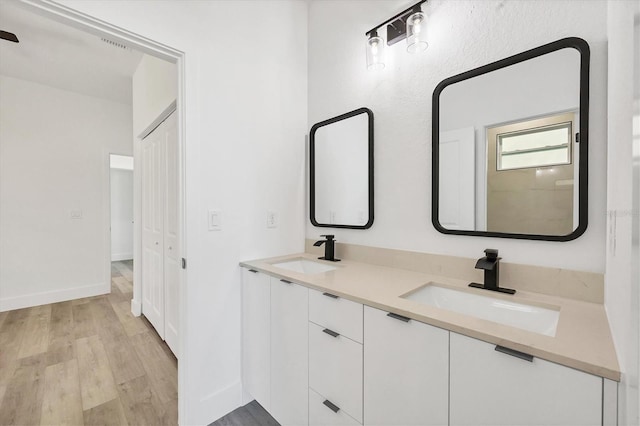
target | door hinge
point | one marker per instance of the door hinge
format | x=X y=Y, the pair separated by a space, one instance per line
x=184 y=263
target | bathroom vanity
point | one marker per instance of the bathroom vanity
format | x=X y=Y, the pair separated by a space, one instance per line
x=352 y=343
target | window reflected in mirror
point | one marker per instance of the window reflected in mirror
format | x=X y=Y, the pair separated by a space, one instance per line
x=530 y=179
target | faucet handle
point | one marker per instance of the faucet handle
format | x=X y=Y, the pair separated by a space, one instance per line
x=492 y=254
x=328 y=237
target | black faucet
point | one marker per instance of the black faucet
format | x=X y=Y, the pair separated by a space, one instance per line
x=491 y=265
x=329 y=248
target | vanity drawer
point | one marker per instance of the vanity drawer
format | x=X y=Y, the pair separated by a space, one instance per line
x=324 y=414
x=336 y=313
x=335 y=369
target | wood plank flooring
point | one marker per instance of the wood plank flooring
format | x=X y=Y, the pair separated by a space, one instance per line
x=86 y=362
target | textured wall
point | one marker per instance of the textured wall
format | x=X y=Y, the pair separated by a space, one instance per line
x=463 y=35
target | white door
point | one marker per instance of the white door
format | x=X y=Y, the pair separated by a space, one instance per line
x=152 y=230
x=171 y=253
x=457 y=179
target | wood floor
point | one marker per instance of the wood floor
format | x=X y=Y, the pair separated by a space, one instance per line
x=86 y=362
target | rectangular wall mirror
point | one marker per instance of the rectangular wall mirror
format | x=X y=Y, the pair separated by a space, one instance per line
x=510 y=146
x=341 y=171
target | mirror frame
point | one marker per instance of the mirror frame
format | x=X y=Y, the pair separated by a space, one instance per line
x=570 y=42
x=312 y=168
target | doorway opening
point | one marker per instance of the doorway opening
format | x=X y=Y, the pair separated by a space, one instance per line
x=91 y=301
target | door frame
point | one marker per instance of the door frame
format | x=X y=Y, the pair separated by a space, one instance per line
x=83 y=22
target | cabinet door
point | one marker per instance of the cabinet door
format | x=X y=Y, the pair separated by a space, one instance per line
x=256 y=335
x=289 y=353
x=488 y=387
x=406 y=371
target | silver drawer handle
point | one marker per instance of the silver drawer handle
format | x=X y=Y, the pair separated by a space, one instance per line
x=333 y=407
x=514 y=353
x=331 y=332
x=398 y=317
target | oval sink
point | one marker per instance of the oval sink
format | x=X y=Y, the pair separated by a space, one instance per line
x=304 y=266
x=526 y=317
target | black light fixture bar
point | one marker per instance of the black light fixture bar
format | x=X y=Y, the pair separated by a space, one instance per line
x=396 y=30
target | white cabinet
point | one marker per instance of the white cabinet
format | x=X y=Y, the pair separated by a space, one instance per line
x=313 y=359
x=335 y=359
x=256 y=334
x=289 y=353
x=406 y=371
x=335 y=369
x=323 y=413
x=488 y=387
x=336 y=313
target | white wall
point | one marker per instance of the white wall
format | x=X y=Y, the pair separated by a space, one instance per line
x=155 y=87
x=622 y=293
x=121 y=214
x=245 y=105
x=463 y=35
x=54 y=159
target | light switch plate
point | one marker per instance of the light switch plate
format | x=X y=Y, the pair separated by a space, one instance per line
x=215 y=220
x=272 y=219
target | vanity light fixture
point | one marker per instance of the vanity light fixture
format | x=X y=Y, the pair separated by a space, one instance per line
x=375 y=51
x=408 y=24
x=416 y=36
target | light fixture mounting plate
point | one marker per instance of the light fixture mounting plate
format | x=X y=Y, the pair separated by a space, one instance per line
x=397 y=30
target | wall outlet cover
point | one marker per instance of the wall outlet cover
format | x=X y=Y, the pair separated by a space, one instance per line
x=272 y=219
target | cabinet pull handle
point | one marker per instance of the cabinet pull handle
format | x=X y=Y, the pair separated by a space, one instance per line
x=331 y=332
x=515 y=353
x=333 y=296
x=333 y=407
x=286 y=282
x=398 y=317
x=253 y=270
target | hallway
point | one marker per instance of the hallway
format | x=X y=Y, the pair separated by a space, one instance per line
x=87 y=361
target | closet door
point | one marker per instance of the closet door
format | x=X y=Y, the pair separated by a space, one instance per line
x=171 y=241
x=153 y=149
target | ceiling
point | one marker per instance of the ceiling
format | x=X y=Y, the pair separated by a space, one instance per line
x=57 y=55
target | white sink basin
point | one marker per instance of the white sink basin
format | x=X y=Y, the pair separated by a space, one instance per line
x=527 y=317
x=304 y=266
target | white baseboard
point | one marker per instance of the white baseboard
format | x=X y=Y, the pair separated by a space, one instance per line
x=216 y=405
x=115 y=257
x=46 y=297
x=136 y=308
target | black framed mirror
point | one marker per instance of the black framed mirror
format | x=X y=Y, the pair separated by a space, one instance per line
x=341 y=171
x=510 y=146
